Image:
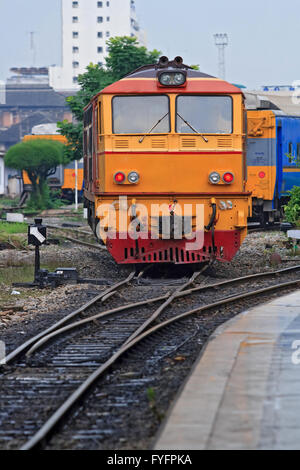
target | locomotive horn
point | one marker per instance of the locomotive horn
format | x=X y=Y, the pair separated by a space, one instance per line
x=163 y=61
x=178 y=60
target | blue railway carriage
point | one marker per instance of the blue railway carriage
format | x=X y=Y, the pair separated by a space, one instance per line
x=273 y=161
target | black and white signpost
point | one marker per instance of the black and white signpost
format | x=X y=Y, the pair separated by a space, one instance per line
x=37 y=236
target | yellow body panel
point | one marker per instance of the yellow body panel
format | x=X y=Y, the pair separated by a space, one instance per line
x=262 y=188
x=225 y=219
x=26 y=179
x=69 y=178
x=56 y=137
x=261 y=124
x=291 y=170
x=172 y=172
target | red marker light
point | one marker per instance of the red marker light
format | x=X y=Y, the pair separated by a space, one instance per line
x=228 y=177
x=119 y=177
x=262 y=174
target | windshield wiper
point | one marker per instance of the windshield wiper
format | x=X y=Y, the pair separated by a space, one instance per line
x=152 y=128
x=193 y=129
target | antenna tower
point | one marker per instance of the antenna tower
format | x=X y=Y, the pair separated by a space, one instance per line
x=221 y=41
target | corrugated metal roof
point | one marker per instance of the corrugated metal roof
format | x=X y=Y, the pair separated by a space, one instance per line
x=37 y=95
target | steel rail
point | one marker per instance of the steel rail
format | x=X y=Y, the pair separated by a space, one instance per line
x=168 y=299
x=75 y=240
x=68 y=229
x=89 y=245
x=48 y=427
x=102 y=296
x=175 y=295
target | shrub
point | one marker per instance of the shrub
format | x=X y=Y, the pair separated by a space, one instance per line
x=292 y=209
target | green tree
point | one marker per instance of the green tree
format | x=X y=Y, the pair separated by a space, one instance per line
x=292 y=209
x=39 y=158
x=125 y=55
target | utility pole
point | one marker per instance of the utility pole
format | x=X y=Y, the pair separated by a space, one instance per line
x=221 y=41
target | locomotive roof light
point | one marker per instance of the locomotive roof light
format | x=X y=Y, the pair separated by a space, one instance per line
x=119 y=177
x=163 y=61
x=214 y=178
x=172 y=78
x=228 y=177
x=133 y=177
x=178 y=60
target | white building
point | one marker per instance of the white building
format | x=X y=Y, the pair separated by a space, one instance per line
x=86 y=26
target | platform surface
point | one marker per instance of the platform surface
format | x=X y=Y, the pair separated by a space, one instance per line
x=244 y=391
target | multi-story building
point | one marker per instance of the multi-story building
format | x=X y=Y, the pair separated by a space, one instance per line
x=86 y=26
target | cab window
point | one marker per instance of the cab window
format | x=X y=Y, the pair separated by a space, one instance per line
x=141 y=114
x=204 y=114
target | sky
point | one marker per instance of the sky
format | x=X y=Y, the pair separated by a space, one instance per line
x=263 y=37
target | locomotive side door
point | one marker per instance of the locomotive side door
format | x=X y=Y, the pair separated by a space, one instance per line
x=88 y=148
x=95 y=147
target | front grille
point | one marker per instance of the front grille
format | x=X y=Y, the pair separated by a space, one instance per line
x=172 y=255
x=158 y=143
x=121 y=144
x=188 y=142
x=225 y=142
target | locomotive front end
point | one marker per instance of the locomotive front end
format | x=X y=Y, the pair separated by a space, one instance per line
x=165 y=166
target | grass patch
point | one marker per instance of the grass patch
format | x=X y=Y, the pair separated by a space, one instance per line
x=12 y=274
x=13 y=236
x=13 y=227
x=7 y=202
x=25 y=272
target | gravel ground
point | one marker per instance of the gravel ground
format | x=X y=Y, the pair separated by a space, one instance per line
x=134 y=425
x=254 y=256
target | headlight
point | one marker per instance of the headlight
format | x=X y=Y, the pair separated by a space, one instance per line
x=165 y=79
x=172 y=78
x=179 y=78
x=223 y=205
x=214 y=177
x=229 y=204
x=133 y=177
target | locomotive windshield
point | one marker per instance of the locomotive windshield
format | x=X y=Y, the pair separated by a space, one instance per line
x=207 y=114
x=139 y=114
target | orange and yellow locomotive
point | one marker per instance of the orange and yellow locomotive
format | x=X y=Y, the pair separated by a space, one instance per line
x=164 y=166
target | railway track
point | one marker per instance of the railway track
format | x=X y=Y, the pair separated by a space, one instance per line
x=76 y=233
x=70 y=358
